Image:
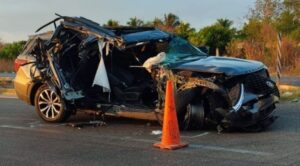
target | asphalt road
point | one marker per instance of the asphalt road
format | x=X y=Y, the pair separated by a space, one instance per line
x=26 y=140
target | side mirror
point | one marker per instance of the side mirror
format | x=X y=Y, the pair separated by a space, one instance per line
x=204 y=49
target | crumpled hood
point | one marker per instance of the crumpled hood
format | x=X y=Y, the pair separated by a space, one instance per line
x=224 y=65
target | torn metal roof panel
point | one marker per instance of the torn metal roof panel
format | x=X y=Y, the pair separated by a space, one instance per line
x=144 y=36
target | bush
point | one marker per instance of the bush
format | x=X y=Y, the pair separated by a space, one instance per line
x=11 y=50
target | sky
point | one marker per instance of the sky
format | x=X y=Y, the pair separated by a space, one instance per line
x=20 y=18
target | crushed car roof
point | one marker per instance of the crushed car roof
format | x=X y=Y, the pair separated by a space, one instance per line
x=123 y=36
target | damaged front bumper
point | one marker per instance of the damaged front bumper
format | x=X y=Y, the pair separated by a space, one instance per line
x=252 y=112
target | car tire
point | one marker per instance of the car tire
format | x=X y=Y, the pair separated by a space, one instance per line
x=49 y=105
x=190 y=111
x=194 y=117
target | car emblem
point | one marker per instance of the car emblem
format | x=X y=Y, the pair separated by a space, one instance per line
x=270 y=84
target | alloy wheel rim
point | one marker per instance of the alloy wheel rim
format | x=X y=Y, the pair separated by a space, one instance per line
x=49 y=104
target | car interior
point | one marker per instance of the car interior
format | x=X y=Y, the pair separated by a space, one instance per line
x=77 y=56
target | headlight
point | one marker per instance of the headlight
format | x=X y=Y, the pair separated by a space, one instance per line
x=236 y=95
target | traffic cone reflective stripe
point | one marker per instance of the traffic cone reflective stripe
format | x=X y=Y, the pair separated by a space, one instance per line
x=170 y=136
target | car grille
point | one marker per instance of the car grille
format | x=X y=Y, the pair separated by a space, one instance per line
x=260 y=84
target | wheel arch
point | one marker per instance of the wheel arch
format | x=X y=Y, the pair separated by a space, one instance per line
x=33 y=91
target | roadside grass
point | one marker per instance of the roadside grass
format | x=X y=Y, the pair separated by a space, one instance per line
x=287 y=72
x=6 y=65
x=294 y=72
x=8 y=92
x=289 y=93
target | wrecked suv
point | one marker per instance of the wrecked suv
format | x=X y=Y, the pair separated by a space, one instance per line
x=122 y=71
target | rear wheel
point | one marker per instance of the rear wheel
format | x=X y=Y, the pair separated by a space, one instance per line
x=49 y=105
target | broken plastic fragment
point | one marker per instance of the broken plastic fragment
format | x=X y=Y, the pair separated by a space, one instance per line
x=156 y=132
x=154 y=60
x=101 y=78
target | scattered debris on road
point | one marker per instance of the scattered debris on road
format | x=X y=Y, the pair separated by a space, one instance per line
x=156 y=132
x=80 y=125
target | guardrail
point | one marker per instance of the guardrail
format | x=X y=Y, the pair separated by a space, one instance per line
x=6 y=82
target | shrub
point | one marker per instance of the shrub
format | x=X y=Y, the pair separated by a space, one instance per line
x=11 y=50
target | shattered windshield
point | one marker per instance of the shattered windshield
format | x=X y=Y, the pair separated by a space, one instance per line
x=179 y=50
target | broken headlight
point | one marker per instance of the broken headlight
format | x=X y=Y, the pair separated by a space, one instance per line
x=236 y=96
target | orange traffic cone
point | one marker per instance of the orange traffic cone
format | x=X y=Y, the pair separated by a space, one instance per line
x=170 y=135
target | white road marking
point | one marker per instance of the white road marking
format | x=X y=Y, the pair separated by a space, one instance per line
x=219 y=148
x=138 y=140
x=188 y=150
x=15 y=127
x=195 y=136
x=7 y=97
x=33 y=124
x=29 y=128
x=16 y=119
x=198 y=146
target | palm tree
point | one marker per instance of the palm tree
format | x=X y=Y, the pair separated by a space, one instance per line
x=224 y=22
x=184 y=30
x=171 y=20
x=157 y=22
x=112 y=23
x=168 y=23
x=135 y=22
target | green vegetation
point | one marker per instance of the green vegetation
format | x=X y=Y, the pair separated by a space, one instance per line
x=8 y=52
x=135 y=22
x=259 y=36
x=11 y=50
x=112 y=23
x=218 y=35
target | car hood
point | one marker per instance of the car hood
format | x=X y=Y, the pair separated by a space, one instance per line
x=221 y=65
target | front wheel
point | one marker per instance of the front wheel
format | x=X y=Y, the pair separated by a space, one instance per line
x=194 y=117
x=49 y=105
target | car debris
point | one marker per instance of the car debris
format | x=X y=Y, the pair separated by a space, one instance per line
x=83 y=65
x=93 y=123
x=156 y=132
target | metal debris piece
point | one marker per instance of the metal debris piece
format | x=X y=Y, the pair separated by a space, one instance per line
x=295 y=100
x=96 y=123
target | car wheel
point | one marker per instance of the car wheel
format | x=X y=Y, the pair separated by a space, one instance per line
x=49 y=105
x=194 y=117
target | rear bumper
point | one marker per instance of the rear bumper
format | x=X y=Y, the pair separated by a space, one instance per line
x=23 y=85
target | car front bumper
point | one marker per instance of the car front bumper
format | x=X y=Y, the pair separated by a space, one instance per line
x=255 y=114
